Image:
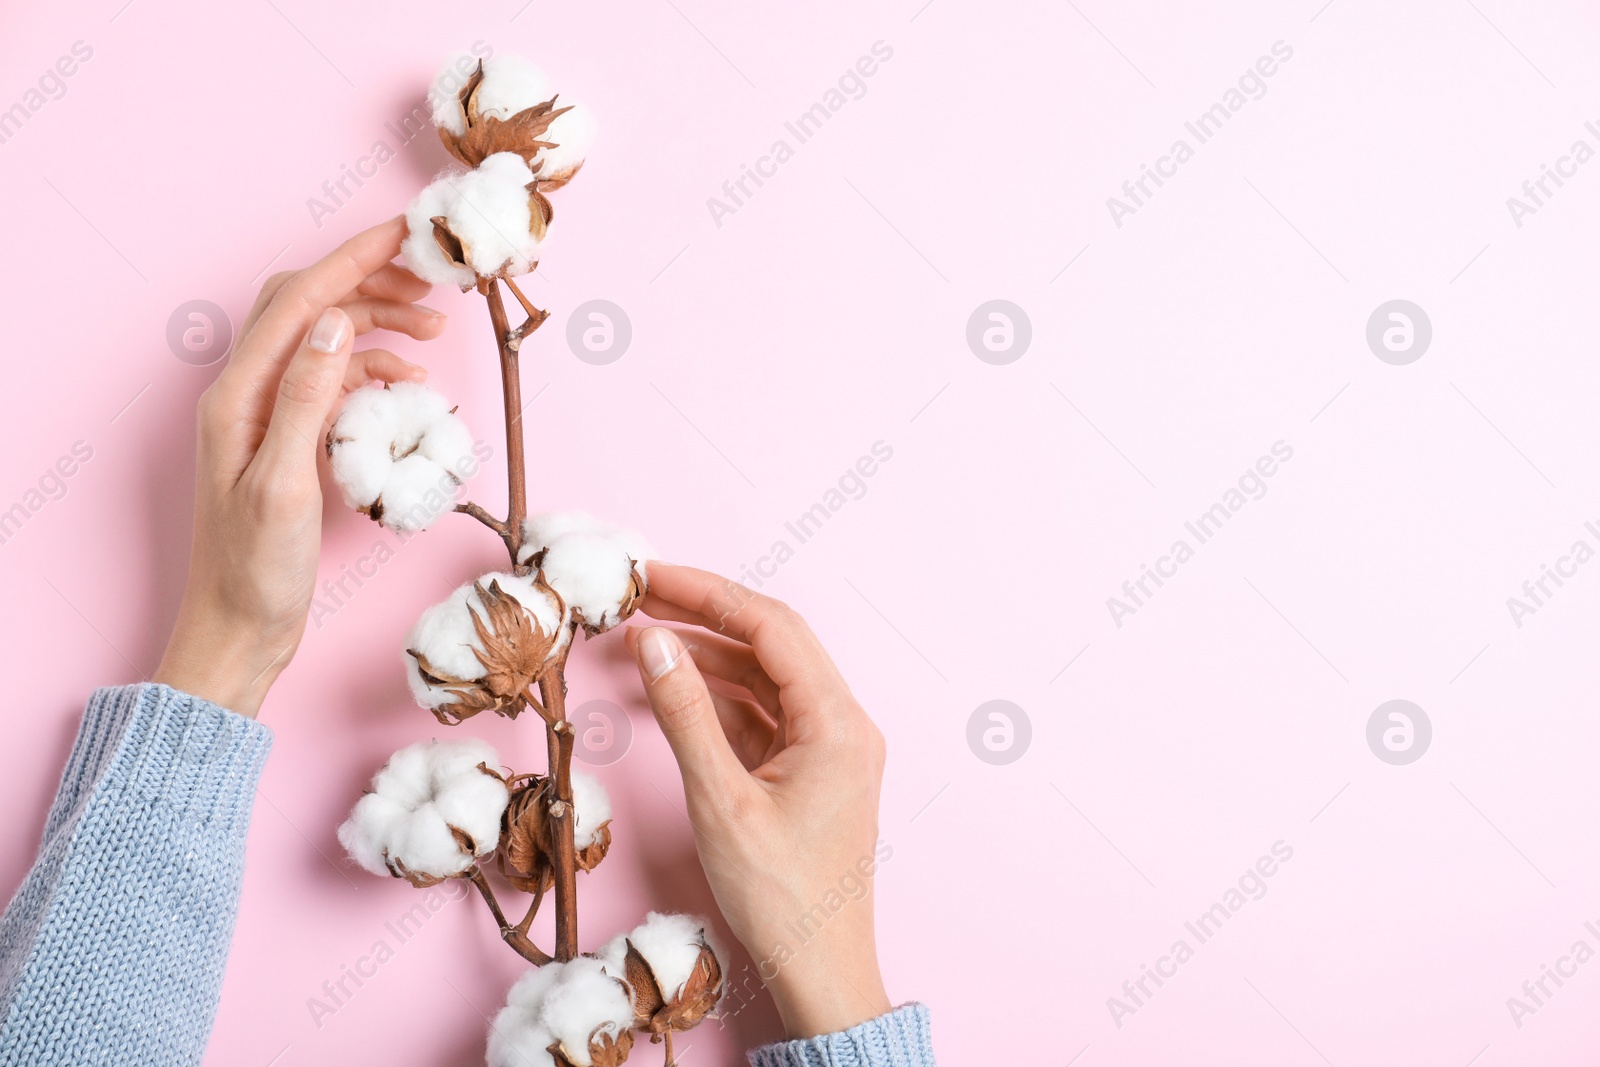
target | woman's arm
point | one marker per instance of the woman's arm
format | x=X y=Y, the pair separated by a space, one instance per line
x=113 y=948
x=781 y=773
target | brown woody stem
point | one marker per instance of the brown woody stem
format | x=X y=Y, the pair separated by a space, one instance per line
x=515 y=936
x=483 y=516
x=537 y=705
x=511 y=386
x=535 y=318
x=533 y=909
x=671 y=1060
x=552 y=687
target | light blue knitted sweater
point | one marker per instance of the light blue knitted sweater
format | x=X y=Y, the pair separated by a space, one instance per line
x=113 y=948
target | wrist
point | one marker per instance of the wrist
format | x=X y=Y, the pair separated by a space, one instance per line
x=826 y=995
x=229 y=665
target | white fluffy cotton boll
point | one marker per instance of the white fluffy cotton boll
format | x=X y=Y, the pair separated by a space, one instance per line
x=487 y=209
x=445 y=97
x=423 y=794
x=537 y=602
x=361 y=467
x=445 y=635
x=588 y=561
x=529 y=991
x=593 y=806
x=417 y=409
x=584 y=1001
x=561 y=1002
x=573 y=134
x=421 y=250
x=670 y=944
x=592 y=574
x=510 y=84
x=613 y=955
x=413 y=494
x=540 y=531
x=371 y=412
x=491 y=215
x=448 y=443
x=398 y=453
x=518 y=1039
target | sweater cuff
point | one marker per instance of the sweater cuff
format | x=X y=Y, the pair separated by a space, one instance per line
x=197 y=759
x=899 y=1039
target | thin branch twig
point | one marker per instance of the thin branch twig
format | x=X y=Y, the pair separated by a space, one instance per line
x=533 y=909
x=536 y=705
x=534 y=320
x=515 y=936
x=482 y=515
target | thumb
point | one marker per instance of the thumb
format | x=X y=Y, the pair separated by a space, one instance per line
x=311 y=384
x=682 y=706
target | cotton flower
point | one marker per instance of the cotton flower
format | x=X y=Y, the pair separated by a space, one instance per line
x=444 y=96
x=484 y=646
x=527 y=843
x=571 y=135
x=672 y=967
x=506 y=105
x=571 y=1014
x=593 y=807
x=432 y=810
x=518 y=1036
x=519 y=1039
x=485 y=223
x=499 y=87
x=398 y=452
x=599 y=569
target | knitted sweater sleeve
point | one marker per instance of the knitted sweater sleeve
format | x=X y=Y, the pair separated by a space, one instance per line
x=898 y=1039
x=112 y=949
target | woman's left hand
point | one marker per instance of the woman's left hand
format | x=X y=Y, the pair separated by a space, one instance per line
x=258 y=500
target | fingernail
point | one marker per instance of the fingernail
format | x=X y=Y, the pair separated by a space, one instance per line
x=330 y=332
x=425 y=309
x=659 y=650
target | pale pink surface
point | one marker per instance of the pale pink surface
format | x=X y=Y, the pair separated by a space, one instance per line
x=977 y=564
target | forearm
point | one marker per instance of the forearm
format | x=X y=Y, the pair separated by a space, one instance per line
x=113 y=948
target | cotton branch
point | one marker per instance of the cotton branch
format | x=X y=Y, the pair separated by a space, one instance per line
x=534 y=320
x=511 y=387
x=392 y=451
x=515 y=936
x=553 y=687
x=478 y=512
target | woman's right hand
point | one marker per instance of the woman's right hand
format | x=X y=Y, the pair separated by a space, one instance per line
x=781 y=776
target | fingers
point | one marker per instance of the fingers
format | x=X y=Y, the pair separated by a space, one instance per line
x=307 y=293
x=263 y=298
x=783 y=644
x=751 y=723
x=734 y=663
x=311 y=385
x=389 y=282
x=377 y=364
x=394 y=282
x=750 y=733
x=688 y=717
x=414 y=320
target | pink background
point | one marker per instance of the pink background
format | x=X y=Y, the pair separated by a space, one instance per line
x=827 y=313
